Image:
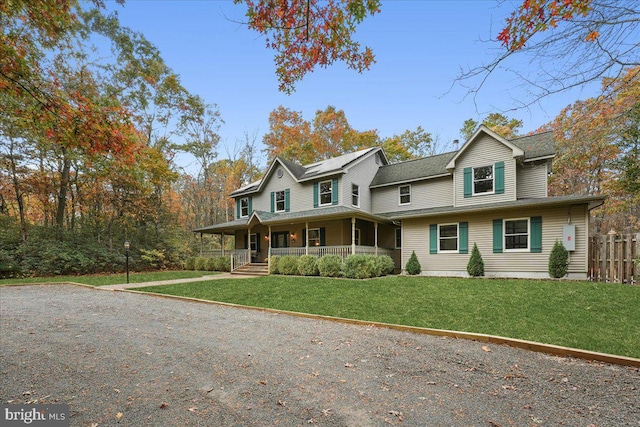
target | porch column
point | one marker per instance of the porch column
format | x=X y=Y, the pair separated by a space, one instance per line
x=269 y=252
x=375 y=244
x=353 y=235
x=306 y=238
x=249 y=246
x=222 y=242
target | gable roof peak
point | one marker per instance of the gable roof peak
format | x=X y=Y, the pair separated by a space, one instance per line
x=517 y=151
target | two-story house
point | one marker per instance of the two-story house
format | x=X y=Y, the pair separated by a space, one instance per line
x=492 y=192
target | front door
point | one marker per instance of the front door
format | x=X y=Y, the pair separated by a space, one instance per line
x=280 y=239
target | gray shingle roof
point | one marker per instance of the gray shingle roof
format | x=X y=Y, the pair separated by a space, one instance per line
x=413 y=170
x=593 y=201
x=536 y=146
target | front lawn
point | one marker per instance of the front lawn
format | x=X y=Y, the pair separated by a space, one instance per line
x=591 y=316
x=111 y=279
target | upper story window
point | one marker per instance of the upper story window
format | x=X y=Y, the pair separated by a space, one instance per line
x=355 y=195
x=326 y=190
x=448 y=238
x=244 y=207
x=483 y=180
x=516 y=234
x=404 y=192
x=280 y=201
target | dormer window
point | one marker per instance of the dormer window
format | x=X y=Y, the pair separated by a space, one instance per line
x=280 y=205
x=244 y=207
x=404 y=193
x=483 y=180
x=325 y=192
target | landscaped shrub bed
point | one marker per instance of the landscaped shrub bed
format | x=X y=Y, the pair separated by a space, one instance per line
x=353 y=267
x=199 y=263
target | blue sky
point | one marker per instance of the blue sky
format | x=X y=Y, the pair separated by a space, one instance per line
x=420 y=47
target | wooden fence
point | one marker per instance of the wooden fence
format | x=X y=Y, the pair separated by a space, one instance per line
x=612 y=258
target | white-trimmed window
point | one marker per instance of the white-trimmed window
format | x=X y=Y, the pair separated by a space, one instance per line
x=516 y=234
x=357 y=240
x=253 y=242
x=244 y=207
x=325 y=192
x=448 y=237
x=280 y=201
x=404 y=194
x=355 y=195
x=483 y=180
x=314 y=237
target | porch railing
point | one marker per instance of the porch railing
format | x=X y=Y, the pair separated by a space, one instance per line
x=342 y=251
x=239 y=258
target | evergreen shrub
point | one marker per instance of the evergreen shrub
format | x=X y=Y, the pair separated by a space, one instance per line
x=273 y=264
x=330 y=266
x=475 y=266
x=288 y=265
x=308 y=265
x=413 y=265
x=558 y=260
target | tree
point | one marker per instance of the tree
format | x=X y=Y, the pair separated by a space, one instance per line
x=413 y=265
x=563 y=44
x=597 y=143
x=558 y=261
x=475 y=266
x=500 y=124
x=310 y=33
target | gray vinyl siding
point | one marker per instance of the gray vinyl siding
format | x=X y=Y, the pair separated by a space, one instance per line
x=416 y=238
x=361 y=174
x=485 y=151
x=262 y=200
x=532 y=180
x=430 y=193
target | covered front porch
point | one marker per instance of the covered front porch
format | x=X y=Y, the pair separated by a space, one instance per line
x=330 y=231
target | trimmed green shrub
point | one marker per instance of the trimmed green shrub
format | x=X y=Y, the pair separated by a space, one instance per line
x=330 y=266
x=558 y=260
x=475 y=266
x=210 y=264
x=223 y=263
x=273 y=264
x=308 y=265
x=361 y=267
x=189 y=263
x=413 y=265
x=385 y=265
x=200 y=263
x=288 y=265
x=151 y=259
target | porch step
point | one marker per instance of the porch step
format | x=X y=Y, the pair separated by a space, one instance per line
x=253 y=269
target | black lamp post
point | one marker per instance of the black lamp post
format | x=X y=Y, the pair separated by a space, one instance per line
x=127 y=245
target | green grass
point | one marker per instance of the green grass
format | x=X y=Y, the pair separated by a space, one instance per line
x=111 y=279
x=591 y=316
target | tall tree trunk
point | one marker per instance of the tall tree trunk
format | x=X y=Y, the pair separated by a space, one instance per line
x=18 y=192
x=63 y=189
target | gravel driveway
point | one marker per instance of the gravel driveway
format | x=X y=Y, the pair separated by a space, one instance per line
x=126 y=359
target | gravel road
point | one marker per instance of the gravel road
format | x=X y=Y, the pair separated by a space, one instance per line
x=125 y=359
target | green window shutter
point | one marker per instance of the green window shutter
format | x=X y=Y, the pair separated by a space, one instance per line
x=304 y=237
x=323 y=237
x=257 y=242
x=250 y=203
x=238 y=208
x=286 y=200
x=433 y=238
x=334 y=192
x=463 y=229
x=273 y=201
x=497 y=236
x=499 y=177
x=315 y=194
x=536 y=234
x=467 y=182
